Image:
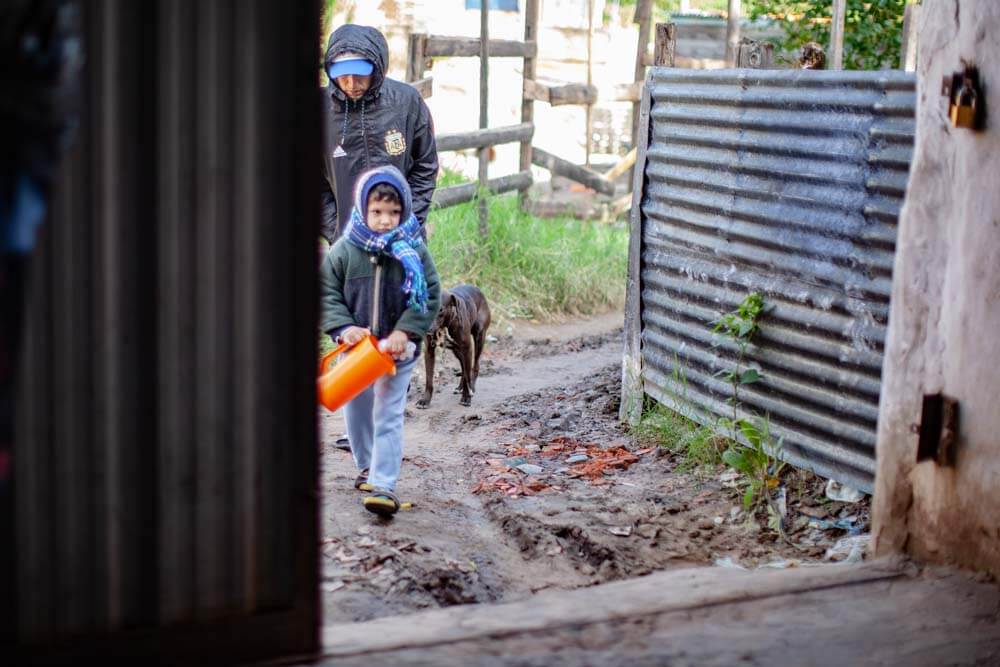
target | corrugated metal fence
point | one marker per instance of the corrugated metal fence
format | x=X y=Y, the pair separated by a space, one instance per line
x=165 y=461
x=788 y=183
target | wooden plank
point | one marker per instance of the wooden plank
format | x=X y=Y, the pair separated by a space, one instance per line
x=630 y=408
x=665 y=44
x=456 y=141
x=562 y=167
x=424 y=86
x=484 y=96
x=572 y=93
x=416 y=61
x=665 y=592
x=837 y=34
x=533 y=90
x=623 y=165
x=527 y=104
x=439 y=46
x=949 y=619
x=459 y=194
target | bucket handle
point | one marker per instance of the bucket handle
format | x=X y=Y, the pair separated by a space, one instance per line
x=329 y=356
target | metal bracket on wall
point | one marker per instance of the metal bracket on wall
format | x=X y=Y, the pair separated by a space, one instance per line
x=966 y=102
x=937 y=430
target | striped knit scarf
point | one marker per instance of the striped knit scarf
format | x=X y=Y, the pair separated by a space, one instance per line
x=400 y=243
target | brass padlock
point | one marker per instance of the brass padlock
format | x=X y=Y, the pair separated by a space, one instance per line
x=964 y=107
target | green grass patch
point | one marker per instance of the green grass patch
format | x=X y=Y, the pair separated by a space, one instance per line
x=542 y=269
x=698 y=446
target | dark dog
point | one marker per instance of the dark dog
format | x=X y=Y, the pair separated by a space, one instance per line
x=462 y=323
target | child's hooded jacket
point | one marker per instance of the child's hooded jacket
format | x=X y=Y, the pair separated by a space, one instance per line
x=365 y=289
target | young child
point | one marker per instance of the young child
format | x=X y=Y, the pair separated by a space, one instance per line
x=379 y=278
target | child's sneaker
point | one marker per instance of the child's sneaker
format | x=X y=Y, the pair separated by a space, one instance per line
x=382 y=502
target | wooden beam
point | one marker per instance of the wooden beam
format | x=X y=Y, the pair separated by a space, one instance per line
x=416 y=57
x=439 y=46
x=572 y=93
x=837 y=35
x=561 y=167
x=484 y=106
x=752 y=54
x=424 y=86
x=623 y=165
x=633 y=389
x=527 y=104
x=535 y=91
x=622 y=92
x=459 y=194
x=665 y=44
x=457 y=141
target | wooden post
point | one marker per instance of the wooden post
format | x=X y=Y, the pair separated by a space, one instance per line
x=665 y=44
x=837 y=34
x=630 y=408
x=908 y=55
x=590 y=78
x=484 y=119
x=643 y=16
x=415 y=65
x=732 y=32
x=527 y=104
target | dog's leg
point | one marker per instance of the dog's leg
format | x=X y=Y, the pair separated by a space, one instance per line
x=429 y=345
x=465 y=361
x=480 y=339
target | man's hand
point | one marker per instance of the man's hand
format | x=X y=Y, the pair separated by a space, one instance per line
x=352 y=335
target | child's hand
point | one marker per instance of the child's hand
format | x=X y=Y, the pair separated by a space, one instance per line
x=395 y=343
x=352 y=335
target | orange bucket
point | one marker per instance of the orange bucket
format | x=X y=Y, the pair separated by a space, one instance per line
x=361 y=366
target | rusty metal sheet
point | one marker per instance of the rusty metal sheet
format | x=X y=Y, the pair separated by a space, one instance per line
x=788 y=183
x=165 y=455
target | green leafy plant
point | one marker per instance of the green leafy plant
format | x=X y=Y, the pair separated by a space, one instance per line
x=758 y=460
x=739 y=326
x=873 y=29
x=752 y=452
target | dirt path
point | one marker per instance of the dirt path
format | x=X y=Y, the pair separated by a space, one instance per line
x=483 y=531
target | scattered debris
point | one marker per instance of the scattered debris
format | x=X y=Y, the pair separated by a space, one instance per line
x=842 y=493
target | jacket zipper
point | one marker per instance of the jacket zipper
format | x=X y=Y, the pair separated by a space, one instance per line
x=376 y=296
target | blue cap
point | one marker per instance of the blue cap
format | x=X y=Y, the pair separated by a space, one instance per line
x=350 y=65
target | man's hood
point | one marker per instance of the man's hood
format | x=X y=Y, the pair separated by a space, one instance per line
x=384 y=174
x=363 y=40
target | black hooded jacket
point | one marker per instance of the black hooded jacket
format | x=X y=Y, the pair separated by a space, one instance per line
x=389 y=125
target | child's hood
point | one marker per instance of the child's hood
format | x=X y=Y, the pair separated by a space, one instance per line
x=384 y=174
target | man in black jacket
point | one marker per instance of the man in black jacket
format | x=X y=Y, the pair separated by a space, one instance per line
x=369 y=121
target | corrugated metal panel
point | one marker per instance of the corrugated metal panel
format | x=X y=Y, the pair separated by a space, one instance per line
x=789 y=183
x=165 y=460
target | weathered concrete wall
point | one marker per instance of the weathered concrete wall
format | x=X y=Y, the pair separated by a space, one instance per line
x=944 y=326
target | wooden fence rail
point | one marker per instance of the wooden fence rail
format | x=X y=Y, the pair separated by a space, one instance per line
x=459 y=194
x=456 y=141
